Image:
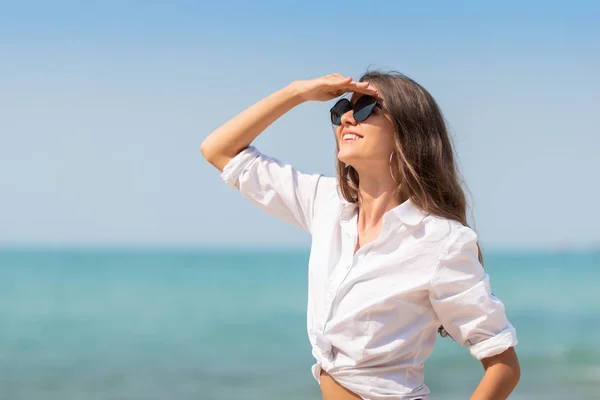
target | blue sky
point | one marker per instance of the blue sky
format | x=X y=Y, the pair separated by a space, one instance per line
x=103 y=108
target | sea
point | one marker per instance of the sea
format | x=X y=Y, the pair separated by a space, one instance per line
x=224 y=324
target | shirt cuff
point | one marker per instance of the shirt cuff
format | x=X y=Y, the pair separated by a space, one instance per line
x=237 y=165
x=495 y=344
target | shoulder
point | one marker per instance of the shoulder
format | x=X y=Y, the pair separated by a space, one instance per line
x=457 y=255
x=328 y=194
x=443 y=230
x=330 y=206
x=446 y=235
x=329 y=186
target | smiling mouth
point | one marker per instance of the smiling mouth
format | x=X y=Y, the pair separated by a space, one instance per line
x=350 y=137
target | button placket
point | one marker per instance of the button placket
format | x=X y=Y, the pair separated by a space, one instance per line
x=356 y=259
x=331 y=294
x=342 y=269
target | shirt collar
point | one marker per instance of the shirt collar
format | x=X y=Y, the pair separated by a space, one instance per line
x=408 y=212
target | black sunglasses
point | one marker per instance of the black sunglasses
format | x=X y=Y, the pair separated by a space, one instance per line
x=362 y=109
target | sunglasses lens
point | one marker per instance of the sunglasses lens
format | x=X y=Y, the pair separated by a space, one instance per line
x=340 y=108
x=364 y=107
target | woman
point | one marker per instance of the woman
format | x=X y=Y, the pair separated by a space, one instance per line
x=392 y=259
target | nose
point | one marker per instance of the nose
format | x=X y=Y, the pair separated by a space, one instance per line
x=348 y=118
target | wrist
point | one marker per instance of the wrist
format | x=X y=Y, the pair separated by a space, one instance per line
x=294 y=92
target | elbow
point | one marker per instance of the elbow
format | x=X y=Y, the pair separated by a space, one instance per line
x=204 y=150
x=212 y=154
x=513 y=375
x=514 y=364
x=516 y=373
x=513 y=379
x=207 y=152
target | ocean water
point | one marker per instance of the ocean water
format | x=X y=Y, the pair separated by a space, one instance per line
x=230 y=324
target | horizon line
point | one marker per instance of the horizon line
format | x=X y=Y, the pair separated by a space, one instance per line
x=249 y=248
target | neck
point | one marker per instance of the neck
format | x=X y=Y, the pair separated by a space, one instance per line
x=377 y=194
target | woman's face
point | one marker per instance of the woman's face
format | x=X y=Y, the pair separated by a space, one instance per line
x=365 y=144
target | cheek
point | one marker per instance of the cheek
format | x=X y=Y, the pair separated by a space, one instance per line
x=384 y=149
x=383 y=141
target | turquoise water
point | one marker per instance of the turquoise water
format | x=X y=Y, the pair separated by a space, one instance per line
x=227 y=324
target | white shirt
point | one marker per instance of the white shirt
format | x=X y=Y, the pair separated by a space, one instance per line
x=372 y=317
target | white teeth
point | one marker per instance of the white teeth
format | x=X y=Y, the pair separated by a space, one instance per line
x=350 y=136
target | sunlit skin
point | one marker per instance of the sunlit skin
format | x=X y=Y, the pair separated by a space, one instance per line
x=370 y=157
x=370 y=154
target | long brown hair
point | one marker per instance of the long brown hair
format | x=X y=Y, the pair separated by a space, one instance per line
x=423 y=161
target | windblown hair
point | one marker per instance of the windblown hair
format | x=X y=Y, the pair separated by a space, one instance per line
x=423 y=159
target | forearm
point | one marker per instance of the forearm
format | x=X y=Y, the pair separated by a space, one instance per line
x=502 y=374
x=228 y=140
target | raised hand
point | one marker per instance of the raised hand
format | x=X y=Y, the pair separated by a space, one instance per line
x=236 y=134
x=331 y=86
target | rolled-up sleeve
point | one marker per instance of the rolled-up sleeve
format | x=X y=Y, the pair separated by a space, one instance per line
x=273 y=186
x=462 y=299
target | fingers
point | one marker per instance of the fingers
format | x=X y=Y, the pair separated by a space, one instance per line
x=352 y=86
x=344 y=84
x=362 y=87
x=343 y=79
x=366 y=86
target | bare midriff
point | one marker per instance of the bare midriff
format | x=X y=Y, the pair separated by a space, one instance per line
x=334 y=391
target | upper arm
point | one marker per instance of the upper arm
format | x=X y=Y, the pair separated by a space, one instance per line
x=276 y=187
x=462 y=299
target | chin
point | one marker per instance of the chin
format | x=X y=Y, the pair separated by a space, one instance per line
x=346 y=157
